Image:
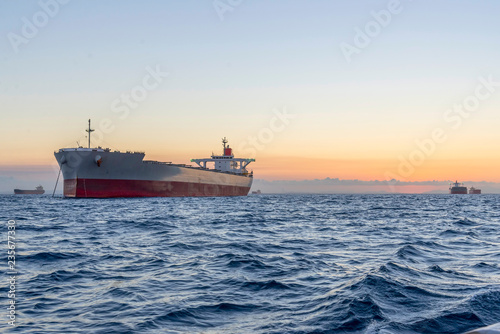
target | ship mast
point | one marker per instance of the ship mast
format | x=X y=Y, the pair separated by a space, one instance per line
x=89 y=131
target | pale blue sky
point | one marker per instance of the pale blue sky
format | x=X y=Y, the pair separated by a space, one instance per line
x=94 y=46
x=89 y=45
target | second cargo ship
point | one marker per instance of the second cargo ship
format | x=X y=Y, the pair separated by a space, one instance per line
x=458 y=188
x=98 y=172
x=37 y=191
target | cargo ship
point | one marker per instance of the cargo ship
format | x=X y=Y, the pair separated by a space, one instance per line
x=458 y=188
x=474 y=191
x=37 y=191
x=100 y=172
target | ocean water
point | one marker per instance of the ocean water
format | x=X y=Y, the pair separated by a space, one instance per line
x=257 y=264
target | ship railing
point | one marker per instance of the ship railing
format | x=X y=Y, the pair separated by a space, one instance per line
x=156 y=162
x=152 y=162
x=94 y=149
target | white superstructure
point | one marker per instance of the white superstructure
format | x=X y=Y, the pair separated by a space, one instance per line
x=226 y=162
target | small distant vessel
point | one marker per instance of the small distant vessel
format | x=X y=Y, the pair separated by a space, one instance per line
x=458 y=188
x=38 y=191
x=258 y=192
x=473 y=190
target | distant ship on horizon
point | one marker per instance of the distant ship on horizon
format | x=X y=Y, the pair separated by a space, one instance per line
x=474 y=191
x=37 y=191
x=458 y=188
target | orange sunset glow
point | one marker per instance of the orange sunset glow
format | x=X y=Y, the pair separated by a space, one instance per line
x=297 y=101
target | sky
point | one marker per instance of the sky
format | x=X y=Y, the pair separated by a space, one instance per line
x=368 y=90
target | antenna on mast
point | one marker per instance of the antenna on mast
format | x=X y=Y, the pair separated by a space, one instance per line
x=89 y=131
x=224 y=142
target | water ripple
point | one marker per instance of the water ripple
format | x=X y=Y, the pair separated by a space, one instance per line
x=259 y=264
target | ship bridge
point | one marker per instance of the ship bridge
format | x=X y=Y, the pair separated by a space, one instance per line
x=226 y=162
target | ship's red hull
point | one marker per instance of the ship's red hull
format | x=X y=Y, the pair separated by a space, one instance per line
x=100 y=188
x=460 y=192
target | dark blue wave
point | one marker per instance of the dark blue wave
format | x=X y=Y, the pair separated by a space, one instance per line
x=49 y=256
